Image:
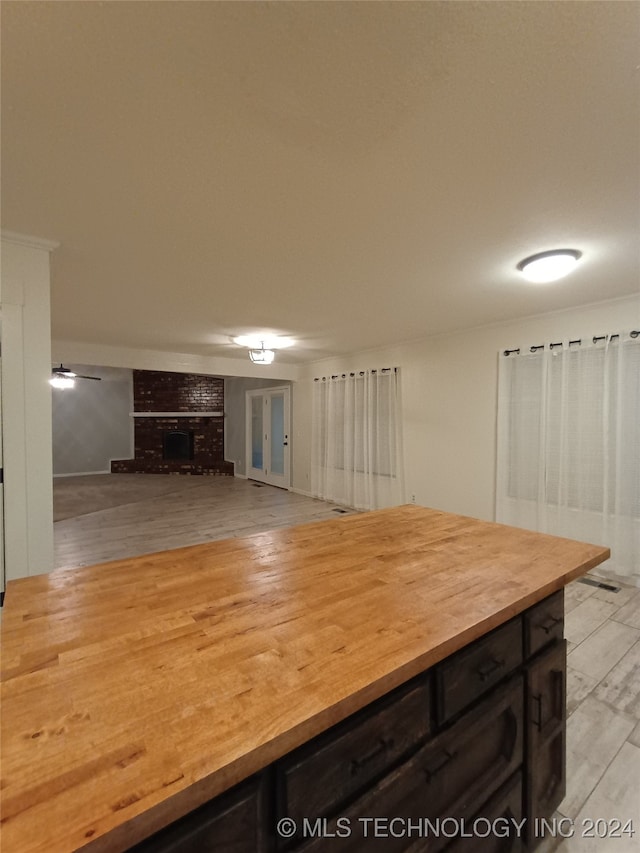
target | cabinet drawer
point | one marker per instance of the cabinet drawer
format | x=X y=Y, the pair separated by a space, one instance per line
x=505 y=808
x=544 y=623
x=234 y=822
x=451 y=776
x=317 y=778
x=469 y=673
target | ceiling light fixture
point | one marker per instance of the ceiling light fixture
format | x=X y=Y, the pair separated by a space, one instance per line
x=549 y=266
x=262 y=355
x=67 y=381
x=261 y=346
x=62 y=377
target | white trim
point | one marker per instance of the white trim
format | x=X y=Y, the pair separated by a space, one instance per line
x=239 y=476
x=28 y=240
x=176 y=414
x=26 y=421
x=267 y=388
x=104 y=355
x=265 y=475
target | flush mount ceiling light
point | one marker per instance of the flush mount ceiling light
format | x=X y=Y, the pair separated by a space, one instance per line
x=549 y=266
x=262 y=355
x=261 y=348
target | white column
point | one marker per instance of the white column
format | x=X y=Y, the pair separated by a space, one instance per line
x=26 y=405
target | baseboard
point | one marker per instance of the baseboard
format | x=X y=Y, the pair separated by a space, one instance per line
x=240 y=476
x=80 y=474
x=301 y=492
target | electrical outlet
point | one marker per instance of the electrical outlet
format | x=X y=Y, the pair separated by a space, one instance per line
x=413 y=499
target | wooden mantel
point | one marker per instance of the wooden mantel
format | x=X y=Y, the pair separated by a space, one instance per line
x=136 y=690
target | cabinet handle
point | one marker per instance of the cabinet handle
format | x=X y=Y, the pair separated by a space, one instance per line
x=512 y=726
x=487 y=669
x=537 y=700
x=557 y=677
x=432 y=772
x=551 y=788
x=383 y=745
x=550 y=624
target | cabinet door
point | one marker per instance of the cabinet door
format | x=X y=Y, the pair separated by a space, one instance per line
x=450 y=777
x=234 y=823
x=498 y=827
x=546 y=726
x=546 y=693
x=334 y=768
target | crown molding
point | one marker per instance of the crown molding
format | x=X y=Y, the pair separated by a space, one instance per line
x=28 y=240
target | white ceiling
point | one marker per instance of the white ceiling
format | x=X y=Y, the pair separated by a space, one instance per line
x=349 y=174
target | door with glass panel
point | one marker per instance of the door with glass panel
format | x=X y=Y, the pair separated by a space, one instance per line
x=268 y=412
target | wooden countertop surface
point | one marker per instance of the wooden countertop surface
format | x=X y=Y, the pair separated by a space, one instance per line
x=136 y=690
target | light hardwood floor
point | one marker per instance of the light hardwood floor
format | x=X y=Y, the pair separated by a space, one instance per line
x=111 y=516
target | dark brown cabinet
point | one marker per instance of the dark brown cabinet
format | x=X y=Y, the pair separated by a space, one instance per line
x=544 y=623
x=318 y=778
x=465 y=764
x=233 y=823
x=498 y=827
x=475 y=748
x=545 y=781
x=473 y=671
x=451 y=776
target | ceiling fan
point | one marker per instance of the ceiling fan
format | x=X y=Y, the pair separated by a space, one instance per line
x=62 y=377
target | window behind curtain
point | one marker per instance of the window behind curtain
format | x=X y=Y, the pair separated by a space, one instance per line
x=569 y=444
x=356 y=439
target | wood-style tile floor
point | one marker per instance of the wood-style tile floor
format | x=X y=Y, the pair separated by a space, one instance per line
x=106 y=517
x=603 y=729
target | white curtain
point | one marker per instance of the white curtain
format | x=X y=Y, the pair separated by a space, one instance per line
x=569 y=444
x=356 y=444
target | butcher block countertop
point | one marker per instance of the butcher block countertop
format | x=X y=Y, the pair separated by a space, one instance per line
x=136 y=690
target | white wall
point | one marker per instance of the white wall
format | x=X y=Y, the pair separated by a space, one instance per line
x=92 y=423
x=449 y=390
x=301 y=407
x=26 y=410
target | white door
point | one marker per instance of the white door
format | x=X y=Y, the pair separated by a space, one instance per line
x=268 y=446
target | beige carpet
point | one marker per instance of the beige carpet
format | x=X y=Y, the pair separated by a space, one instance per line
x=74 y=496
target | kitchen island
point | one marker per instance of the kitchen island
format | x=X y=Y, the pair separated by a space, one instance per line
x=309 y=672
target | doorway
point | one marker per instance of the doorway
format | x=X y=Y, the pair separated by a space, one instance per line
x=268 y=413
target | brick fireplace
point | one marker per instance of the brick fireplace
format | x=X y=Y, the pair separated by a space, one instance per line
x=178 y=425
